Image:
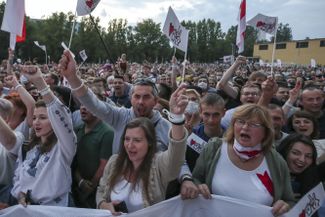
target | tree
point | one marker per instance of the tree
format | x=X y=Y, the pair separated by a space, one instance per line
x=284 y=33
x=149 y=40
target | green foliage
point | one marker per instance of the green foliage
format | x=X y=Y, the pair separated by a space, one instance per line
x=283 y=33
x=207 y=41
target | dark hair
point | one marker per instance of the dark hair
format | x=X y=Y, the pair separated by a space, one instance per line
x=67 y=97
x=287 y=144
x=124 y=167
x=307 y=115
x=51 y=140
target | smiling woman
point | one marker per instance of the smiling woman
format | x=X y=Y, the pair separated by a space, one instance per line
x=137 y=177
x=300 y=153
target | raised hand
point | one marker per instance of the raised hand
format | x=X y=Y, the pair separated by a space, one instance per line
x=67 y=65
x=178 y=100
x=11 y=81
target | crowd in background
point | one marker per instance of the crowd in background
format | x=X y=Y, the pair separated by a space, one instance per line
x=125 y=136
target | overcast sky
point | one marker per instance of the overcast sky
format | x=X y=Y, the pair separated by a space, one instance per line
x=305 y=17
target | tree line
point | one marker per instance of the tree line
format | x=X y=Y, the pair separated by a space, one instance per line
x=144 y=41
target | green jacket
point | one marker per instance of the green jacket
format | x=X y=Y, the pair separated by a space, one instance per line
x=206 y=164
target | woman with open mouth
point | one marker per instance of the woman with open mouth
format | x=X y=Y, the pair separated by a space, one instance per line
x=244 y=165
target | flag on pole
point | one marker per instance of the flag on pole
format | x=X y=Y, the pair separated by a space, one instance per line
x=13 y=21
x=264 y=23
x=85 y=7
x=83 y=55
x=22 y=37
x=43 y=47
x=241 y=26
x=176 y=33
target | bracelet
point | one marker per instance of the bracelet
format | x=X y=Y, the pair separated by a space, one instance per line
x=17 y=86
x=78 y=88
x=175 y=118
x=80 y=182
x=45 y=91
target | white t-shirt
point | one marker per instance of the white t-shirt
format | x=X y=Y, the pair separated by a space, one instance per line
x=231 y=181
x=123 y=191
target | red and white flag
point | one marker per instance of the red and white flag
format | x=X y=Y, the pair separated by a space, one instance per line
x=176 y=33
x=241 y=26
x=264 y=23
x=13 y=21
x=85 y=7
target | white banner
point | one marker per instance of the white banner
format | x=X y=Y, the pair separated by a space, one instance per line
x=218 y=206
x=176 y=33
x=313 y=63
x=309 y=204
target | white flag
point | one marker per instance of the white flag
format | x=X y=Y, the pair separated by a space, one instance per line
x=83 y=55
x=264 y=23
x=85 y=7
x=13 y=20
x=13 y=17
x=279 y=62
x=43 y=47
x=176 y=33
x=241 y=26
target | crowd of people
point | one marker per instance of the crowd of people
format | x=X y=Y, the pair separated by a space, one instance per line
x=125 y=136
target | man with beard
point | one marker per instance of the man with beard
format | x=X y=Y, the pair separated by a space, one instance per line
x=144 y=96
x=278 y=118
x=94 y=148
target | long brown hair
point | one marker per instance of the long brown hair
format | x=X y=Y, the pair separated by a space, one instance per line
x=50 y=141
x=124 y=167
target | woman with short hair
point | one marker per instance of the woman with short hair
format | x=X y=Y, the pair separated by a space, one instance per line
x=244 y=165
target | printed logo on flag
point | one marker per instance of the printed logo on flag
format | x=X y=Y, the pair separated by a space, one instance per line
x=196 y=143
x=266 y=27
x=85 y=7
x=175 y=34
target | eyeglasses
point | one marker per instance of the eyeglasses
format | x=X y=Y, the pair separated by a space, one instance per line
x=241 y=123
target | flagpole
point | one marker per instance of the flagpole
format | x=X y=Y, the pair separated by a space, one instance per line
x=183 y=75
x=73 y=26
x=101 y=39
x=45 y=57
x=273 y=51
x=174 y=51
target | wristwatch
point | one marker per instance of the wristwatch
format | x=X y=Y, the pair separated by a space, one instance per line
x=187 y=178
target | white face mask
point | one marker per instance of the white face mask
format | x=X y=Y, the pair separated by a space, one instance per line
x=192 y=107
x=203 y=85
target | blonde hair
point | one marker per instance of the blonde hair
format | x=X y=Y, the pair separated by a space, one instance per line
x=249 y=111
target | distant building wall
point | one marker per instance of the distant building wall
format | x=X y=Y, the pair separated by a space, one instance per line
x=293 y=52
